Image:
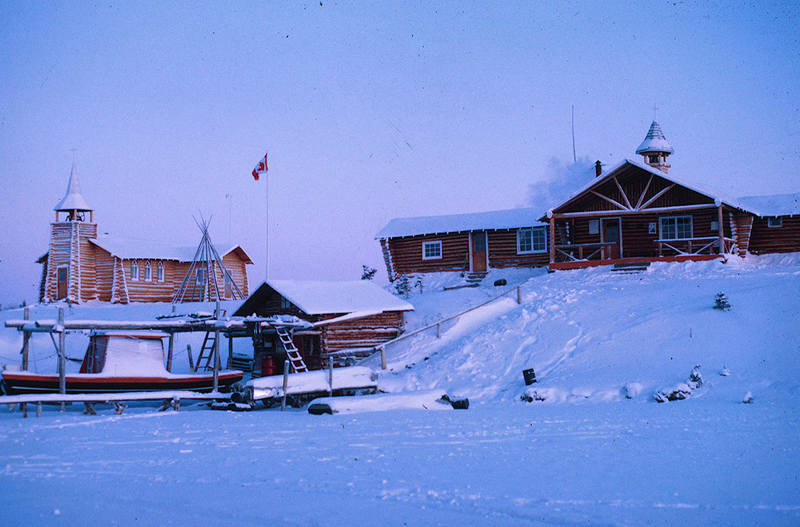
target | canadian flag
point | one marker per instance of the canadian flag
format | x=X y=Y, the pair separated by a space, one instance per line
x=261 y=168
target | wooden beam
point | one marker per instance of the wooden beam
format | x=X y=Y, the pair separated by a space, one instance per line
x=618 y=204
x=644 y=193
x=628 y=203
x=596 y=213
x=26 y=337
x=721 y=230
x=552 y=238
x=62 y=362
x=169 y=351
x=216 y=348
x=658 y=195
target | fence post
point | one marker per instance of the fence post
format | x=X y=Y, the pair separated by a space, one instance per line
x=439 y=330
x=330 y=375
x=519 y=294
x=383 y=358
x=216 y=347
x=26 y=337
x=285 y=384
x=169 y=351
x=62 y=363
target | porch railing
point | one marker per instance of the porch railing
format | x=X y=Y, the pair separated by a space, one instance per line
x=577 y=252
x=693 y=246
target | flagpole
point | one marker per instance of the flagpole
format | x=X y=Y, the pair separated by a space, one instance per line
x=266 y=239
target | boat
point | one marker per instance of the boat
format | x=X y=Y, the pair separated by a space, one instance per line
x=120 y=362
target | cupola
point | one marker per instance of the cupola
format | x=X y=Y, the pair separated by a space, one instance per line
x=655 y=148
x=73 y=205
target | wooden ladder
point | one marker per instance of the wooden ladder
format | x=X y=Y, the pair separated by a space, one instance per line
x=298 y=365
x=206 y=352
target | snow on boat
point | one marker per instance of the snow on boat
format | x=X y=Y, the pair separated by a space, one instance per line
x=119 y=362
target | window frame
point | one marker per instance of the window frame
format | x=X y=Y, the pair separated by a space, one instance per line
x=148 y=271
x=674 y=220
x=160 y=272
x=200 y=276
x=530 y=230
x=434 y=243
x=774 y=222
x=135 y=270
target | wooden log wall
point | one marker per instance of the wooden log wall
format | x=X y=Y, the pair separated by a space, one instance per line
x=503 y=251
x=363 y=332
x=765 y=239
x=70 y=246
x=406 y=253
x=743 y=227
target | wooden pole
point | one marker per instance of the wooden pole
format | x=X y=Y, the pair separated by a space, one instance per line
x=26 y=337
x=62 y=363
x=721 y=231
x=330 y=375
x=216 y=348
x=552 y=238
x=285 y=384
x=169 y=351
x=189 y=354
x=230 y=351
x=519 y=295
x=383 y=358
x=439 y=331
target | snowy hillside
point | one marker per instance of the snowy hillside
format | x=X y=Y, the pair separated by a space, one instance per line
x=585 y=455
x=590 y=333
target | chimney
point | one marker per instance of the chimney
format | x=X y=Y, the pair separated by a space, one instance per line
x=598 y=168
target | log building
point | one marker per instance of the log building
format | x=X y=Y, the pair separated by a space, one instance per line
x=637 y=212
x=80 y=266
x=342 y=317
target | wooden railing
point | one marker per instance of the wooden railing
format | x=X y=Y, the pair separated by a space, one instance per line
x=517 y=290
x=576 y=252
x=691 y=246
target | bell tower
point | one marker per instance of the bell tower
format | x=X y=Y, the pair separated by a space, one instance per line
x=69 y=270
x=655 y=148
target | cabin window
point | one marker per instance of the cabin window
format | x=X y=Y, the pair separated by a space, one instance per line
x=531 y=240
x=134 y=269
x=594 y=226
x=148 y=271
x=160 y=272
x=775 y=221
x=431 y=250
x=201 y=276
x=653 y=158
x=676 y=227
x=714 y=225
x=285 y=304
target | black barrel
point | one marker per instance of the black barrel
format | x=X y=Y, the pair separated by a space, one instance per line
x=530 y=376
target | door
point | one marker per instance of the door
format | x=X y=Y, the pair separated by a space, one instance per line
x=611 y=235
x=478 y=251
x=62 y=283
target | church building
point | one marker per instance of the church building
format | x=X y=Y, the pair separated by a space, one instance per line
x=81 y=266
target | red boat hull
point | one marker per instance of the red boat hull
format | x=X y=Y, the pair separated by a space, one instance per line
x=17 y=383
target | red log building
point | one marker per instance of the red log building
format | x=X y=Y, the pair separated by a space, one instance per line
x=81 y=266
x=342 y=316
x=634 y=213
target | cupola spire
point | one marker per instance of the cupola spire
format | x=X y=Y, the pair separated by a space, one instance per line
x=655 y=148
x=73 y=203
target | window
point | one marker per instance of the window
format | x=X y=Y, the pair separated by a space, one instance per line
x=675 y=227
x=431 y=250
x=532 y=240
x=714 y=225
x=594 y=226
x=775 y=221
x=201 y=276
x=285 y=304
x=160 y=272
x=653 y=158
x=134 y=269
x=148 y=271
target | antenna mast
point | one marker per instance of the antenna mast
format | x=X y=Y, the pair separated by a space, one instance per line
x=574 y=158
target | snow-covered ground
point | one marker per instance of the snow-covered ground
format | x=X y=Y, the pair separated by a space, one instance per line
x=584 y=455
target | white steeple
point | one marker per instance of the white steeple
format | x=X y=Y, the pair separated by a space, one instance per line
x=73 y=200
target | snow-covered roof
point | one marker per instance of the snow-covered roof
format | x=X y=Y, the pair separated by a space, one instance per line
x=774 y=205
x=129 y=248
x=318 y=298
x=73 y=199
x=476 y=221
x=654 y=141
x=670 y=177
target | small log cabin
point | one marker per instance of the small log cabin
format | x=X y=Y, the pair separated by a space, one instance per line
x=345 y=316
x=634 y=213
x=470 y=243
x=81 y=266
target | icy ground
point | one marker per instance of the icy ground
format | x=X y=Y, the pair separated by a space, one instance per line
x=585 y=455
